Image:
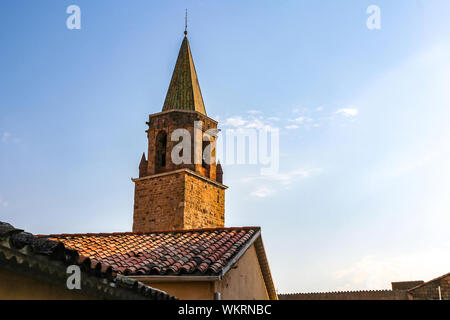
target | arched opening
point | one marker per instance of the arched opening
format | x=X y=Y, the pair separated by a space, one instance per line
x=205 y=163
x=161 y=146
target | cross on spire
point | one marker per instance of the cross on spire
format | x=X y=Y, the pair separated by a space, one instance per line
x=185 y=24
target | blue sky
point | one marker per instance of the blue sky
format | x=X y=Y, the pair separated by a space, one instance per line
x=361 y=198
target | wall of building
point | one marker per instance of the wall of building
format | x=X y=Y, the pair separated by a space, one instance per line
x=348 y=295
x=159 y=203
x=406 y=285
x=177 y=200
x=429 y=291
x=169 y=121
x=244 y=280
x=15 y=286
x=204 y=204
x=166 y=199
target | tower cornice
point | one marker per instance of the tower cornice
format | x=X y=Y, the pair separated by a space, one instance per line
x=218 y=184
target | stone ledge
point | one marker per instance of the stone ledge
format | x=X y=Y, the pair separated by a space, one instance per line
x=154 y=115
x=218 y=184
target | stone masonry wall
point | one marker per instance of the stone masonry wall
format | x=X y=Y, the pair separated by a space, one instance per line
x=348 y=295
x=429 y=290
x=406 y=285
x=204 y=204
x=159 y=203
x=169 y=121
x=177 y=200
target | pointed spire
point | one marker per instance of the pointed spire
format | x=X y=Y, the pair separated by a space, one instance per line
x=143 y=166
x=184 y=90
x=143 y=159
x=219 y=172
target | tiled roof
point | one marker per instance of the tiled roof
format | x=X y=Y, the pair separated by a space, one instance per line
x=48 y=259
x=184 y=90
x=194 y=252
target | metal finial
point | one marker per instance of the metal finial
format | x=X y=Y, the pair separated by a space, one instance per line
x=185 y=24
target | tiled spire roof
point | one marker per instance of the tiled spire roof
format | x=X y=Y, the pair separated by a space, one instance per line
x=184 y=90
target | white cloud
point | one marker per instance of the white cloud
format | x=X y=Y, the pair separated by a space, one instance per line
x=378 y=271
x=249 y=123
x=258 y=124
x=263 y=192
x=293 y=126
x=267 y=185
x=235 y=122
x=284 y=178
x=348 y=112
x=273 y=119
x=299 y=110
x=3 y=203
x=254 y=111
x=5 y=136
x=319 y=108
x=8 y=137
x=302 y=120
x=298 y=120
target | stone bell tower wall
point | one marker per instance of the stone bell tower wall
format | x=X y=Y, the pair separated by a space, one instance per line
x=178 y=200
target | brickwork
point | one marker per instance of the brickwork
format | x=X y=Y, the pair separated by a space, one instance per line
x=405 y=285
x=169 y=121
x=170 y=196
x=405 y=290
x=179 y=196
x=430 y=291
x=159 y=203
x=348 y=295
x=204 y=204
x=177 y=200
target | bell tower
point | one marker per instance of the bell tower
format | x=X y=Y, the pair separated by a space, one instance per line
x=174 y=195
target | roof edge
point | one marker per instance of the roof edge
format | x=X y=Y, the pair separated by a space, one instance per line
x=239 y=254
x=152 y=115
x=263 y=263
x=181 y=277
x=140 y=233
x=428 y=282
x=188 y=171
x=22 y=251
x=265 y=268
x=337 y=292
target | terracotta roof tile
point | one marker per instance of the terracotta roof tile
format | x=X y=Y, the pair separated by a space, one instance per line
x=203 y=251
x=48 y=260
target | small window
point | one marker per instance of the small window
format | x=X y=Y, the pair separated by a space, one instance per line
x=161 y=146
x=204 y=163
